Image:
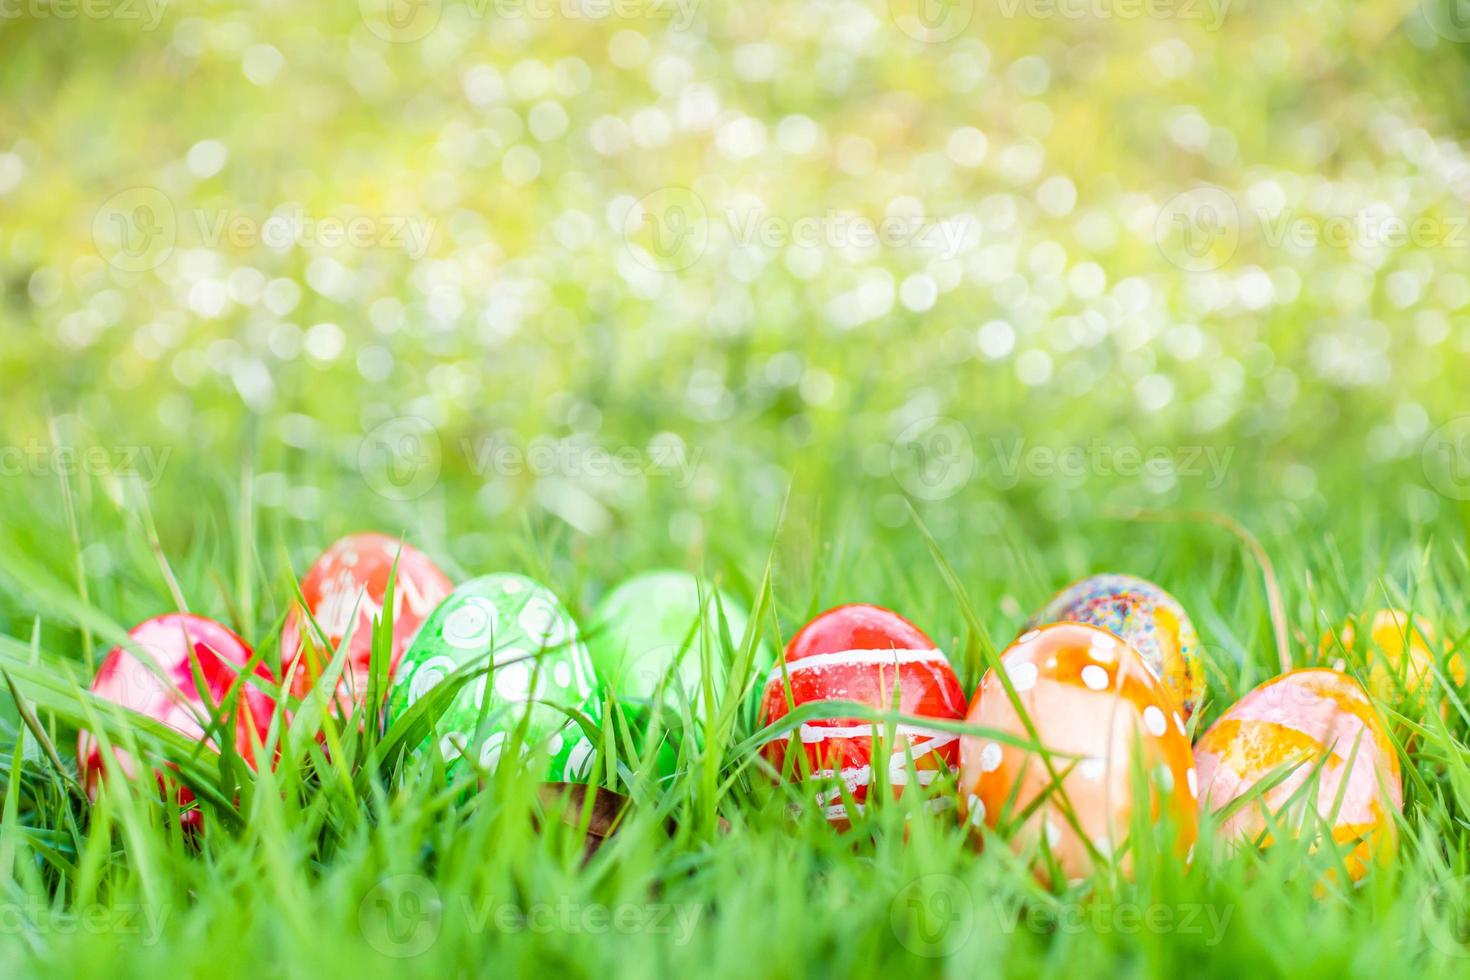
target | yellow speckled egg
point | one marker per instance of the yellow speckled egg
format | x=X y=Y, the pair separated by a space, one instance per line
x=1398 y=657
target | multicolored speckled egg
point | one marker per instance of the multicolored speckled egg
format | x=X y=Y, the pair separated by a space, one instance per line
x=1307 y=724
x=154 y=675
x=1398 y=658
x=345 y=590
x=1094 y=705
x=870 y=655
x=1146 y=617
x=531 y=662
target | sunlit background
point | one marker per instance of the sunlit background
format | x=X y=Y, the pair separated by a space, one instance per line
x=587 y=286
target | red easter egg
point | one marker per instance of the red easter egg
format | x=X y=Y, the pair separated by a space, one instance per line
x=1100 y=711
x=345 y=590
x=866 y=654
x=154 y=675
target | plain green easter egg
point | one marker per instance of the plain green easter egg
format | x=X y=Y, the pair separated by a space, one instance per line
x=537 y=663
x=648 y=633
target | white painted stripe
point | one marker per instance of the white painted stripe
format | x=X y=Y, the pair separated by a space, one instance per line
x=857 y=658
x=820 y=733
x=898 y=774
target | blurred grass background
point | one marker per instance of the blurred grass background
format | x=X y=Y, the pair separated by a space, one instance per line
x=172 y=302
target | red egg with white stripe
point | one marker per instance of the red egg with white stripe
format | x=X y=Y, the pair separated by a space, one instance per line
x=158 y=673
x=1103 y=716
x=873 y=656
x=345 y=590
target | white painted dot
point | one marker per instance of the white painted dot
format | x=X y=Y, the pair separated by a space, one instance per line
x=562 y=674
x=1024 y=676
x=1153 y=720
x=1103 y=845
x=1192 y=778
x=451 y=746
x=977 y=810
x=990 y=757
x=1104 y=649
x=1053 y=833
x=1095 y=677
x=1028 y=636
x=1093 y=767
x=1179 y=724
x=554 y=743
x=513 y=681
x=511 y=586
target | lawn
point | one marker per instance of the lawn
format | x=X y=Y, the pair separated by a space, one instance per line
x=934 y=307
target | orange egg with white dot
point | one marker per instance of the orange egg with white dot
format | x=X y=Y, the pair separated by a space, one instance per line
x=1103 y=717
x=1311 y=735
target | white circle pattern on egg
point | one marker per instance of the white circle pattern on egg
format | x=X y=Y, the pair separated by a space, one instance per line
x=513 y=681
x=472 y=625
x=1095 y=677
x=542 y=624
x=1153 y=720
x=431 y=674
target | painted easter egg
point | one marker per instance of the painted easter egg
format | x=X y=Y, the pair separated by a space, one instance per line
x=345 y=590
x=1308 y=724
x=648 y=637
x=873 y=656
x=1095 y=705
x=154 y=674
x=1398 y=657
x=529 y=661
x=1146 y=617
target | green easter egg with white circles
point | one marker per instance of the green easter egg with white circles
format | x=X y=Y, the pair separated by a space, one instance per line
x=536 y=661
x=644 y=638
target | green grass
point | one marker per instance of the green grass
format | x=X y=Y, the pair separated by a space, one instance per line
x=341 y=860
